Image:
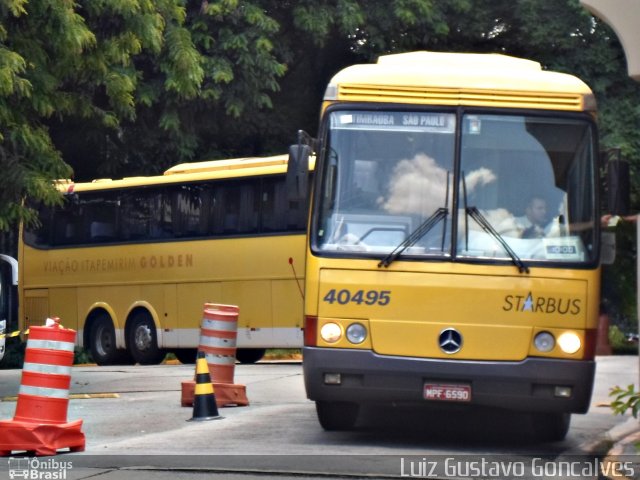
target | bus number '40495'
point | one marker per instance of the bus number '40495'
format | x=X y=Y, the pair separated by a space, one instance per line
x=368 y=297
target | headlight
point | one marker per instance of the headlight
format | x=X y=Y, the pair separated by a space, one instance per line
x=331 y=332
x=544 y=342
x=569 y=342
x=356 y=333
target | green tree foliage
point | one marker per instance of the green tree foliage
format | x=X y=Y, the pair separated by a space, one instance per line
x=625 y=399
x=64 y=61
x=31 y=72
x=143 y=51
x=206 y=64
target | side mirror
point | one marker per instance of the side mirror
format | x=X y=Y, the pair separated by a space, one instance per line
x=298 y=170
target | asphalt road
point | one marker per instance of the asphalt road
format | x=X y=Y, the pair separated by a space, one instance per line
x=143 y=428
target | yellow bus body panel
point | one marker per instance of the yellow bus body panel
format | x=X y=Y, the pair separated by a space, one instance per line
x=497 y=311
x=436 y=78
x=173 y=279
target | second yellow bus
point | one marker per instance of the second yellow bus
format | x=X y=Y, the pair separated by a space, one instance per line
x=130 y=263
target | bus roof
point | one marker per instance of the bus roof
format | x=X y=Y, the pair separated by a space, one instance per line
x=186 y=172
x=230 y=164
x=476 y=79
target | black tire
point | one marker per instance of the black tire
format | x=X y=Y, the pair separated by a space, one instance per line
x=337 y=415
x=142 y=340
x=550 y=427
x=186 y=356
x=250 y=355
x=102 y=341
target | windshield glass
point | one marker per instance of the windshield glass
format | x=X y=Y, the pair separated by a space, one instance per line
x=387 y=187
x=385 y=174
x=532 y=180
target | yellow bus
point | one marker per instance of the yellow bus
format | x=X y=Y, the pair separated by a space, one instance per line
x=129 y=263
x=429 y=279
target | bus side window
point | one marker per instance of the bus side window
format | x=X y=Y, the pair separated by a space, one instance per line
x=206 y=204
x=100 y=212
x=230 y=222
x=274 y=203
x=136 y=216
x=39 y=235
x=229 y=207
x=249 y=206
x=216 y=212
x=64 y=230
x=101 y=231
x=186 y=211
x=67 y=224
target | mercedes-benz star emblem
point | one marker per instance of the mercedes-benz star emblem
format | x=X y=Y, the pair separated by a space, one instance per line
x=450 y=341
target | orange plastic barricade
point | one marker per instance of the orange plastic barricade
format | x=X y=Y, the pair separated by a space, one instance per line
x=218 y=334
x=40 y=422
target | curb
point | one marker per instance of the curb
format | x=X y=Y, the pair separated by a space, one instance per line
x=622 y=440
x=611 y=438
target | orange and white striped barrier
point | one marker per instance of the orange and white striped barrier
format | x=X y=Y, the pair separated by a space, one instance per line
x=218 y=334
x=40 y=422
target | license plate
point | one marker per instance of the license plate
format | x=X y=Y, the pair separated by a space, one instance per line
x=447 y=393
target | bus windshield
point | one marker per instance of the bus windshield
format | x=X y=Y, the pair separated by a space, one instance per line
x=504 y=186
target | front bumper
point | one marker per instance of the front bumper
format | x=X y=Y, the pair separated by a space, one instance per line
x=368 y=378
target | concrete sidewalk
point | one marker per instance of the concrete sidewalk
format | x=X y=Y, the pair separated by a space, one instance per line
x=620 y=444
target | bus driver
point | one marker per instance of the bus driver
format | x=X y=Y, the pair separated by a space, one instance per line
x=534 y=224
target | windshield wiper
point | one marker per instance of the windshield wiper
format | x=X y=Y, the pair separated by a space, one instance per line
x=416 y=235
x=474 y=213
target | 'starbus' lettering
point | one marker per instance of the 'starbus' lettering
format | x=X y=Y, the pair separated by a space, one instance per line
x=542 y=304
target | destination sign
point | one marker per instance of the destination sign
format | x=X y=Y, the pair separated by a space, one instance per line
x=407 y=121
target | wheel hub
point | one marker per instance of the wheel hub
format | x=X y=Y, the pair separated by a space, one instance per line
x=142 y=337
x=104 y=341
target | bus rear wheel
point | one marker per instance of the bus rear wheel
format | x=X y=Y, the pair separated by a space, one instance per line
x=143 y=340
x=102 y=341
x=337 y=415
x=250 y=355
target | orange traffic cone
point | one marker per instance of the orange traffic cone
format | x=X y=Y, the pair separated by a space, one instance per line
x=40 y=422
x=204 y=399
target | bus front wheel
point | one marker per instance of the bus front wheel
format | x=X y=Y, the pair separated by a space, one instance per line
x=102 y=341
x=143 y=340
x=550 y=427
x=337 y=415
